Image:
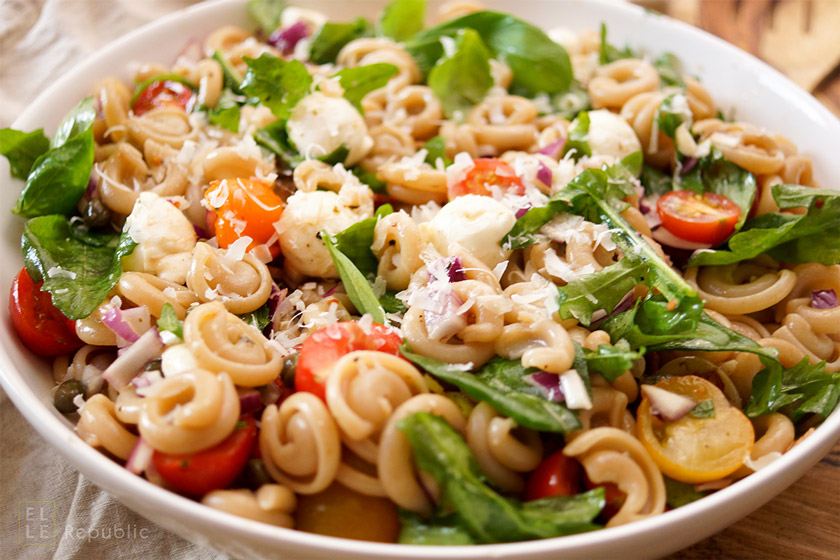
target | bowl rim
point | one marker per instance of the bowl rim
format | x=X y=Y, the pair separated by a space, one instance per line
x=59 y=433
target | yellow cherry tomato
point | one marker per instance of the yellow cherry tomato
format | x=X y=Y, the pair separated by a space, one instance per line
x=693 y=449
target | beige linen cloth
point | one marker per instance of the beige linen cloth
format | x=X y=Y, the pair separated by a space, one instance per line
x=39 y=40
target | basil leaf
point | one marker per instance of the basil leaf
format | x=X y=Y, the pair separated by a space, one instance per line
x=277 y=83
x=358 y=82
x=78 y=120
x=601 y=290
x=611 y=361
x=487 y=516
x=391 y=303
x=274 y=138
x=608 y=53
x=22 y=149
x=703 y=409
x=578 y=132
x=436 y=150
x=331 y=38
x=440 y=530
x=357 y=287
x=355 y=242
x=678 y=494
x=58 y=178
x=462 y=80
x=267 y=13
x=259 y=318
x=92 y=262
x=226 y=113
x=377 y=185
x=671 y=114
x=506 y=392
x=401 y=19
x=538 y=63
x=168 y=321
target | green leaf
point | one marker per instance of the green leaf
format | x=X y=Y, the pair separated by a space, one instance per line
x=538 y=63
x=723 y=177
x=231 y=78
x=578 y=132
x=332 y=37
x=462 y=80
x=808 y=387
x=484 y=514
x=601 y=290
x=525 y=231
x=678 y=494
x=377 y=185
x=392 y=304
x=277 y=83
x=358 y=82
x=703 y=409
x=502 y=386
x=275 y=138
x=79 y=119
x=259 y=318
x=401 y=19
x=669 y=69
x=267 y=13
x=442 y=530
x=88 y=264
x=58 y=178
x=357 y=287
x=22 y=149
x=670 y=115
x=611 y=361
x=226 y=112
x=570 y=103
x=436 y=150
x=355 y=242
x=608 y=53
x=168 y=321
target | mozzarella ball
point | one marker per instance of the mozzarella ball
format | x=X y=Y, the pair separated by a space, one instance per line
x=320 y=124
x=610 y=135
x=477 y=223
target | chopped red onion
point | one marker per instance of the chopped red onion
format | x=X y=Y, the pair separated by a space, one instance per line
x=548 y=383
x=555 y=149
x=140 y=457
x=688 y=165
x=91 y=188
x=127 y=324
x=286 y=39
x=823 y=299
x=666 y=404
x=455 y=270
x=522 y=211
x=544 y=175
x=131 y=362
x=250 y=400
x=330 y=292
x=444 y=321
x=201 y=232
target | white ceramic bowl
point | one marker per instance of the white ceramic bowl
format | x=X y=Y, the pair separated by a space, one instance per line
x=758 y=93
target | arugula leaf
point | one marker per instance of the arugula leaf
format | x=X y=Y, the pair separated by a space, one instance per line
x=487 y=516
x=259 y=318
x=53 y=242
x=578 y=132
x=440 y=530
x=436 y=150
x=58 y=178
x=601 y=290
x=401 y=19
x=678 y=494
x=611 y=361
x=279 y=84
x=332 y=37
x=538 y=63
x=783 y=231
x=525 y=231
x=391 y=303
x=703 y=409
x=462 y=80
x=168 y=321
x=22 y=149
x=78 y=120
x=267 y=13
x=355 y=241
x=809 y=387
x=358 y=82
x=504 y=389
x=226 y=112
x=609 y=53
x=669 y=69
x=275 y=138
x=357 y=287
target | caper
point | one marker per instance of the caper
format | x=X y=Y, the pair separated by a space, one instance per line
x=65 y=393
x=289 y=367
x=254 y=474
x=96 y=214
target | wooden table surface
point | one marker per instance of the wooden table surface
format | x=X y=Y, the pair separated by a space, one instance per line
x=800 y=38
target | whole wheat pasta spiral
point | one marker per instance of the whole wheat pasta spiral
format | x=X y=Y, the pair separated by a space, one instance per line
x=416 y=109
x=397 y=244
x=189 y=412
x=166 y=125
x=222 y=342
x=242 y=285
x=743 y=144
x=413 y=184
x=504 y=122
x=415 y=332
x=538 y=341
x=228 y=163
x=299 y=443
x=611 y=455
x=810 y=278
x=114 y=98
x=609 y=408
x=743 y=287
x=141 y=288
x=271 y=503
x=390 y=143
x=641 y=112
x=614 y=83
x=99 y=427
x=796 y=338
x=774 y=435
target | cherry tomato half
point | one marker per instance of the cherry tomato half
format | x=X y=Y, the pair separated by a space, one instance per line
x=556 y=475
x=42 y=328
x=196 y=474
x=244 y=207
x=702 y=218
x=324 y=347
x=164 y=93
x=693 y=449
x=486 y=175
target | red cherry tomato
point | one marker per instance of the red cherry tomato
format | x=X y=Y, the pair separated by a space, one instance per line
x=486 y=175
x=324 y=347
x=42 y=328
x=196 y=474
x=556 y=475
x=164 y=93
x=702 y=218
x=613 y=498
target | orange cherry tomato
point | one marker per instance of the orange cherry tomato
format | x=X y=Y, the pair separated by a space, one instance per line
x=42 y=328
x=164 y=93
x=341 y=512
x=693 y=449
x=244 y=207
x=556 y=475
x=488 y=175
x=702 y=218
x=325 y=346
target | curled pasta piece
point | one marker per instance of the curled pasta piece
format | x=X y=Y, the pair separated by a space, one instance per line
x=796 y=339
x=454 y=351
x=229 y=163
x=299 y=443
x=390 y=143
x=189 y=412
x=459 y=138
x=612 y=455
x=222 y=342
x=313 y=174
x=502 y=449
x=395 y=464
x=271 y=503
x=99 y=427
x=416 y=109
x=774 y=435
x=539 y=342
x=235 y=43
x=128 y=405
x=241 y=285
x=91 y=329
x=413 y=183
x=798 y=170
x=365 y=387
x=744 y=144
x=396 y=244
x=609 y=408
x=641 y=112
x=457 y=8
x=141 y=288
x=362 y=52
x=114 y=99
x=614 y=83
x=700 y=101
x=504 y=122
x=87 y=366
x=743 y=287
x=210 y=82
x=165 y=125
x=811 y=278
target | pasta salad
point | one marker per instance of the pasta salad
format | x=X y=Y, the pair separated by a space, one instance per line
x=459 y=284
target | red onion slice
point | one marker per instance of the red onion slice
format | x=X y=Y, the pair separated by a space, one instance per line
x=447 y=322
x=131 y=362
x=544 y=175
x=549 y=385
x=288 y=38
x=555 y=149
x=250 y=400
x=140 y=458
x=823 y=299
x=666 y=404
